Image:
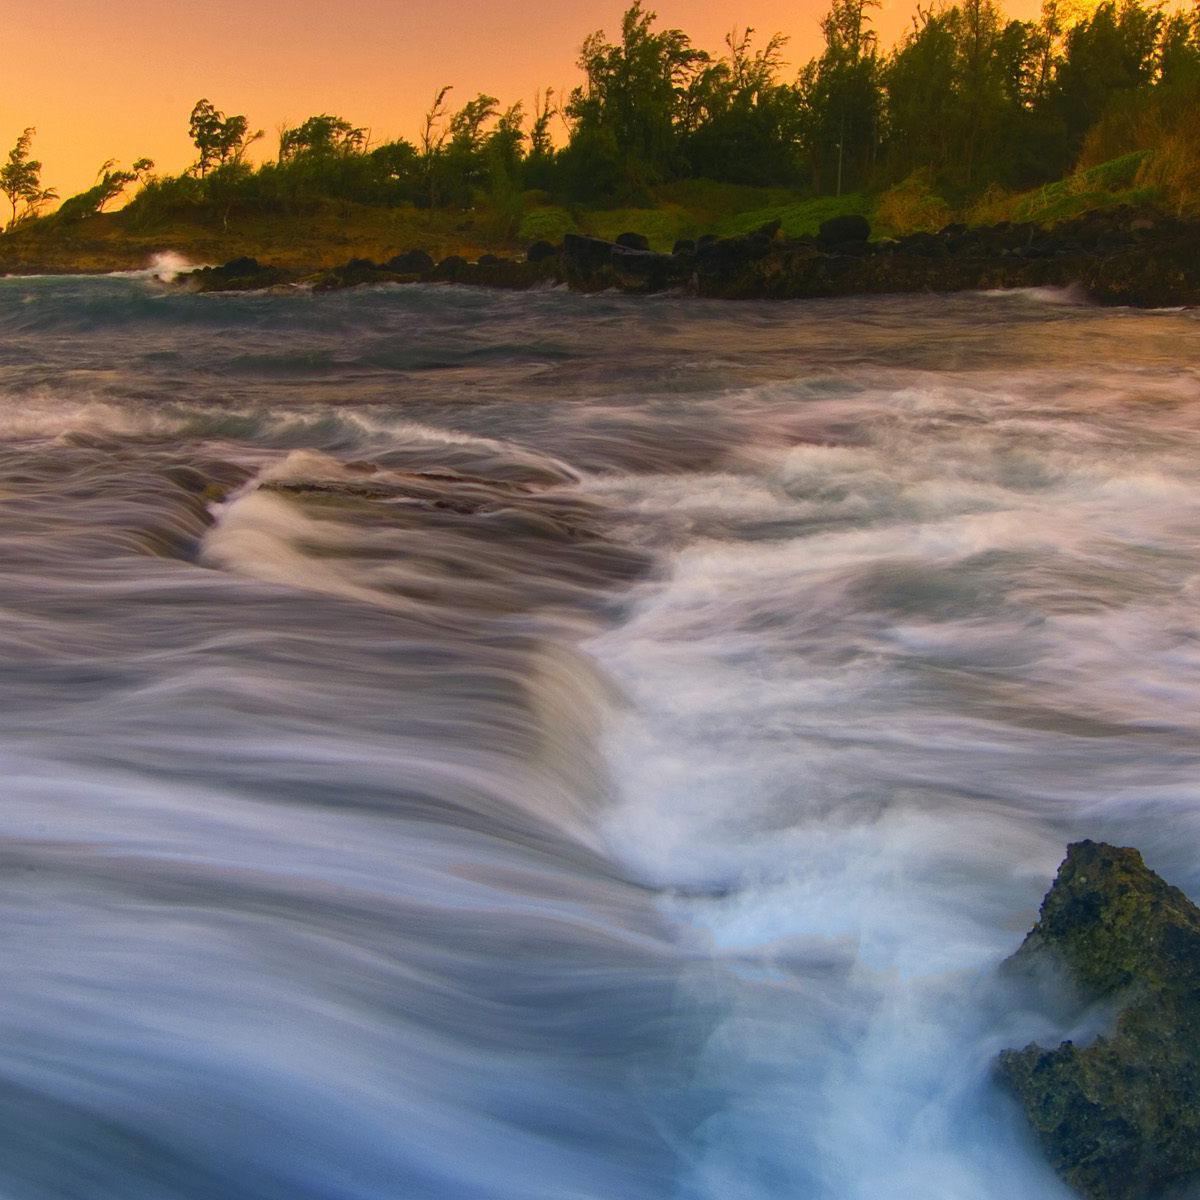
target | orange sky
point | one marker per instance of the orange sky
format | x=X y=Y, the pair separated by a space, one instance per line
x=117 y=78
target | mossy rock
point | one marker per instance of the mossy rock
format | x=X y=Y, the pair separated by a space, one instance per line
x=1119 y=1119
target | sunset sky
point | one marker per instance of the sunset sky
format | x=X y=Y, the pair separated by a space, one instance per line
x=103 y=80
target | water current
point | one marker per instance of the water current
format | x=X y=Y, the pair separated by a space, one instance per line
x=476 y=746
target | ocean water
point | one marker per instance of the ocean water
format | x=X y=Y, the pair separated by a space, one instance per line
x=469 y=746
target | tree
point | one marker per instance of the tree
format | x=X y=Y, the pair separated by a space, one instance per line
x=20 y=180
x=219 y=139
x=843 y=98
x=1113 y=52
x=434 y=132
x=741 y=124
x=1179 y=52
x=967 y=97
x=323 y=135
x=538 y=168
x=111 y=181
x=634 y=96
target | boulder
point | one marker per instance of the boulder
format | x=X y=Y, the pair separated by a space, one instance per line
x=243 y=274
x=838 y=230
x=540 y=251
x=450 y=268
x=412 y=262
x=633 y=241
x=643 y=270
x=684 y=246
x=723 y=264
x=1119 y=1117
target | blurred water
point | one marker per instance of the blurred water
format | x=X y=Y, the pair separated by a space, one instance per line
x=466 y=745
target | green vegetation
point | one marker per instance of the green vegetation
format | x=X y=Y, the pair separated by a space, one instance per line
x=21 y=181
x=973 y=116
x=1118 y=1116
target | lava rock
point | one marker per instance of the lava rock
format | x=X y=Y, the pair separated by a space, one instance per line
x=643 y=270
x=412 y=262
x=540 y=251
x=450 y=268
x=684 y=246
x=633 y=241
x=838 y=230
x=1119 y=1118
x=729 y=266
x=238 y=275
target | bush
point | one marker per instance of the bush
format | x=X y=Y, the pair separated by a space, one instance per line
x=798 y=219
x=912 y=206
x=547 y=223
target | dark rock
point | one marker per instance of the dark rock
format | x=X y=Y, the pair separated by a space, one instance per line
x=412 y=262
x=588 y=262
x=240 y=266
x=1119 y=1119
x=541 y=251
x=730 y=266
x=633 y=241
x=510 y=274
x=586 y=253
x=852 y=249
x=643 y=270
x=925 y=245
x=837 y=230
x=684 y=246
x=706 y=239
x=238 y=275
x=351 y=274
x=450 y=268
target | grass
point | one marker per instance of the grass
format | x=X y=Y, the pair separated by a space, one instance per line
x=333 y=232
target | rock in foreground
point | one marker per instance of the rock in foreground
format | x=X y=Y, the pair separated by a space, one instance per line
x=1119 y=1119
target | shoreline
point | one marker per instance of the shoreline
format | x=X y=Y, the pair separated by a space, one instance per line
x=1120 y=256
x=1116 y=256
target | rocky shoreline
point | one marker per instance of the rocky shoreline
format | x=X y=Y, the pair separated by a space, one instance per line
x=1118 y=256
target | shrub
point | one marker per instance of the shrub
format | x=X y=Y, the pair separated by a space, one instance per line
x=912 y=206
x=548 y=223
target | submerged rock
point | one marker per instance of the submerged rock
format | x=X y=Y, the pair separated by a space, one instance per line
x=1119 y=1118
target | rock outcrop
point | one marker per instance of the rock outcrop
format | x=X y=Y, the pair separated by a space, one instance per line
x=1119 y=1118
x=1119 y=256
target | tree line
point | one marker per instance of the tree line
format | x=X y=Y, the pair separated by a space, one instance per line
x=970 y=98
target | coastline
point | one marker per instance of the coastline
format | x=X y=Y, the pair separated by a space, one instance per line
x=1120 y=256
x=1117 y=257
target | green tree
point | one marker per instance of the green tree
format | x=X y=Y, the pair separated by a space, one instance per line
x=842 y=97
x=219 y=139
x=967 y=97
x=1108 y=55
x=111 y=181
x=21 y=180
x=632 y=100
x=324 y=135
x=742 y=125
x=1179 y=48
